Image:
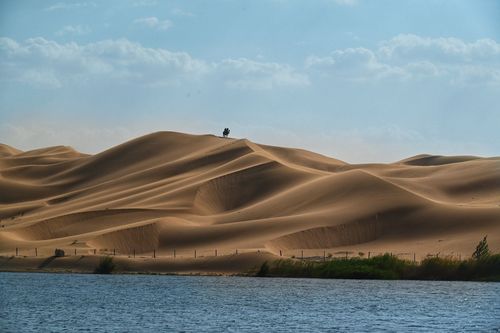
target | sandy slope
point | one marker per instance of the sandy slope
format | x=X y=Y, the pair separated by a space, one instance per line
x=169 y=190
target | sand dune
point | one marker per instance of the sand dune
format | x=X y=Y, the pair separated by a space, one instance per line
x=169 y=190
x=6 y=150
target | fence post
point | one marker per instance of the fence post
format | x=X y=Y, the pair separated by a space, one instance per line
x=302 y=254
x=324 y=255
x=195 y=254
x=281 y=253
x=114 y=251
x=236 y=251
x=346 y=255
x=216 y=252
x=174 y=253
x=36 y=252
x=75 y=252
x=17 y=251
x=154 y=253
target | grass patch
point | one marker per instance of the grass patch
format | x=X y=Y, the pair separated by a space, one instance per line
x=387 y=267
x=106 y=266
x=486 y=268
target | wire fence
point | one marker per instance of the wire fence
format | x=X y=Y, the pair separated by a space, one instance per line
x=334 y=254
x=302 y=254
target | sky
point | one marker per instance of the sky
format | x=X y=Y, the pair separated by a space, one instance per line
x=358 y=80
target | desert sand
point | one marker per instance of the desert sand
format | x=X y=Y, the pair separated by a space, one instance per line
x=168 y=190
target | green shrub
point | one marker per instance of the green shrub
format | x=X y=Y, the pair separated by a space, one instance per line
x=438 y=269
x=106 y=266
x=482 y=250
x=381 y=267
x=264 y=269
x=487 y=268
x=388 y=267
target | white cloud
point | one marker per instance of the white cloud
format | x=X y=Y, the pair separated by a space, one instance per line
x=120 y=60
x=45 y=63
x=154 y=23
x=354 y=64
x=73 y=30
x=181 y=12
x=70 y=5
x=144 y=3
x=336 y=2
x=411 y=57
x=407 y=46
x=346 y=2
x=249 y=74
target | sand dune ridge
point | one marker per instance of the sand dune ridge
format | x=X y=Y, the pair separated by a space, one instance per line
x=168 y=189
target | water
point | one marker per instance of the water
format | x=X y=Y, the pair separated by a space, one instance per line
x=31 y=302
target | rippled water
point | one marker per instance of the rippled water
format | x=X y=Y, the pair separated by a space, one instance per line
x=31 y=302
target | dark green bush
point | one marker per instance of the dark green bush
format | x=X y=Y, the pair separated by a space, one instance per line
x=382 y=267
x=487 y=268
x=387 y=267
x=264 y=269
x=106 y=266
x=438 y=269
x=482 y=250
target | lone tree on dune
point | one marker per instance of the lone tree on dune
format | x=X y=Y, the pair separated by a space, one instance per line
x=225 y=133
x=482 y=250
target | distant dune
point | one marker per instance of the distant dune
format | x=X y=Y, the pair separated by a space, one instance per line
x=169 y=190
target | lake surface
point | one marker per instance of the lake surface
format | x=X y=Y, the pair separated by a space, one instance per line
x=33 y=302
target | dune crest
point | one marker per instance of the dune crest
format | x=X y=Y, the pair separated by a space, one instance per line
x=170 y=190
x=6 y=150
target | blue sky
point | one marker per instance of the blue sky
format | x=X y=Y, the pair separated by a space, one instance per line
x=359 y=80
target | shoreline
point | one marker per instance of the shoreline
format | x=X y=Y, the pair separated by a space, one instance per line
x=262 y=264
x=227 y=265
x=125 y=273
x=231 y=275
